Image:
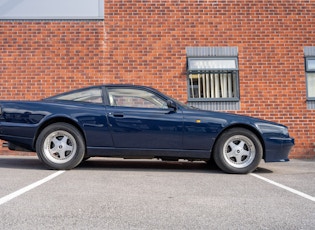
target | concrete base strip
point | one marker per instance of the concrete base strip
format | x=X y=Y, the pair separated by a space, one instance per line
x=285 y=187
x=29 y=187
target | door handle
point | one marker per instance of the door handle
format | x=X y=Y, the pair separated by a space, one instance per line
x=116 y=114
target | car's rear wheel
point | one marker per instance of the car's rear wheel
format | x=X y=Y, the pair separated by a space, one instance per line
x=238 y=150
x=60 y=146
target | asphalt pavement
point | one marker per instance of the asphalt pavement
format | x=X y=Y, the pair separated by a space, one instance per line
x=104 y=193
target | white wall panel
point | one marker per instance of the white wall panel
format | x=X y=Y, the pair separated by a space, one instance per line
x=51 y=9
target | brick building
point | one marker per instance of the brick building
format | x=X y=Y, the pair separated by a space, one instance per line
x=246 y=57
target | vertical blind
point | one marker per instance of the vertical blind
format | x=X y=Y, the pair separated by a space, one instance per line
x=212 y=85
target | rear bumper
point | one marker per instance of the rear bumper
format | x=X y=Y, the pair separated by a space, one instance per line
x=23 y=143
x=278 y=149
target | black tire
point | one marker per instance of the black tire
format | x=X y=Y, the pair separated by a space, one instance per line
x=211 y=164
x=238 y=150
x=60 y=146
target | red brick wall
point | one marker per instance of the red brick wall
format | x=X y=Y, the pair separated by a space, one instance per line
x=146 y=41
x=143 y=42
x=38 y=59
x=42 y=58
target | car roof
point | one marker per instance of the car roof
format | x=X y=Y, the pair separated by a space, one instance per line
x=97 y=86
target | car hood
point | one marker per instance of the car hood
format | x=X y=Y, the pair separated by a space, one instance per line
x=230 y=117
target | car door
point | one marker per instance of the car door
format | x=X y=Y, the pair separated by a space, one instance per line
x=141 y=119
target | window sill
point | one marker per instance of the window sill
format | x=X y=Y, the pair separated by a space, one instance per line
x=216 y=105
x=213 y=100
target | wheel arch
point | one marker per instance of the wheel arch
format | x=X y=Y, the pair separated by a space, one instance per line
x=245 y=126
x=57 y=120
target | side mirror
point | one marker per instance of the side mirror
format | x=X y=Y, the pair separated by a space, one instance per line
x=171 y=104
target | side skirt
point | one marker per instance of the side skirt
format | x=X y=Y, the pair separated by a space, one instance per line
x=148 y=153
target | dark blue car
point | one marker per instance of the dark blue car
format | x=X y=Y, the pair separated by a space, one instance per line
x=130 y=121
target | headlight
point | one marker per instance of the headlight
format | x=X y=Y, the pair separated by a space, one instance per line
x=270 y=128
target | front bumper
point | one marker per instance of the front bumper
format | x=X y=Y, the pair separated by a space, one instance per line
x=278 y=149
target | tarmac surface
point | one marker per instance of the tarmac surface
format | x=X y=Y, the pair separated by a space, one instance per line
x=104 y=193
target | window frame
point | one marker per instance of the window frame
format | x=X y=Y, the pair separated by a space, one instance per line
x=234 y=71
x=309 y=71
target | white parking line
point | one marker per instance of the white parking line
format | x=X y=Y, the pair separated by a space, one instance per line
x=285 y=187
x=29 y=187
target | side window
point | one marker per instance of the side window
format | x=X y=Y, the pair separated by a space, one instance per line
x=93 y=95
x=135 y=98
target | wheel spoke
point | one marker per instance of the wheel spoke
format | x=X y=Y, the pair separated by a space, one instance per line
x=62 y=154
x=238 y=159
x=231 y=154
x=53 y=150
x=232 y=145
x=245 y=153
x=241 y=144
x=54 y=143
x=68 y=148
x=64 y=140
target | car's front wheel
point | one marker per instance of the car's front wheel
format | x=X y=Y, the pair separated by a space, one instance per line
x=238 y=150
x=60 y=146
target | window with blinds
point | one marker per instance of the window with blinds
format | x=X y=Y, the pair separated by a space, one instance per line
x=310 y=77
x=213 y=79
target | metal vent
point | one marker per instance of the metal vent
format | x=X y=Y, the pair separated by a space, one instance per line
x=216 y=105
x=212 y=51
x=310 y=104
x=309 y=51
